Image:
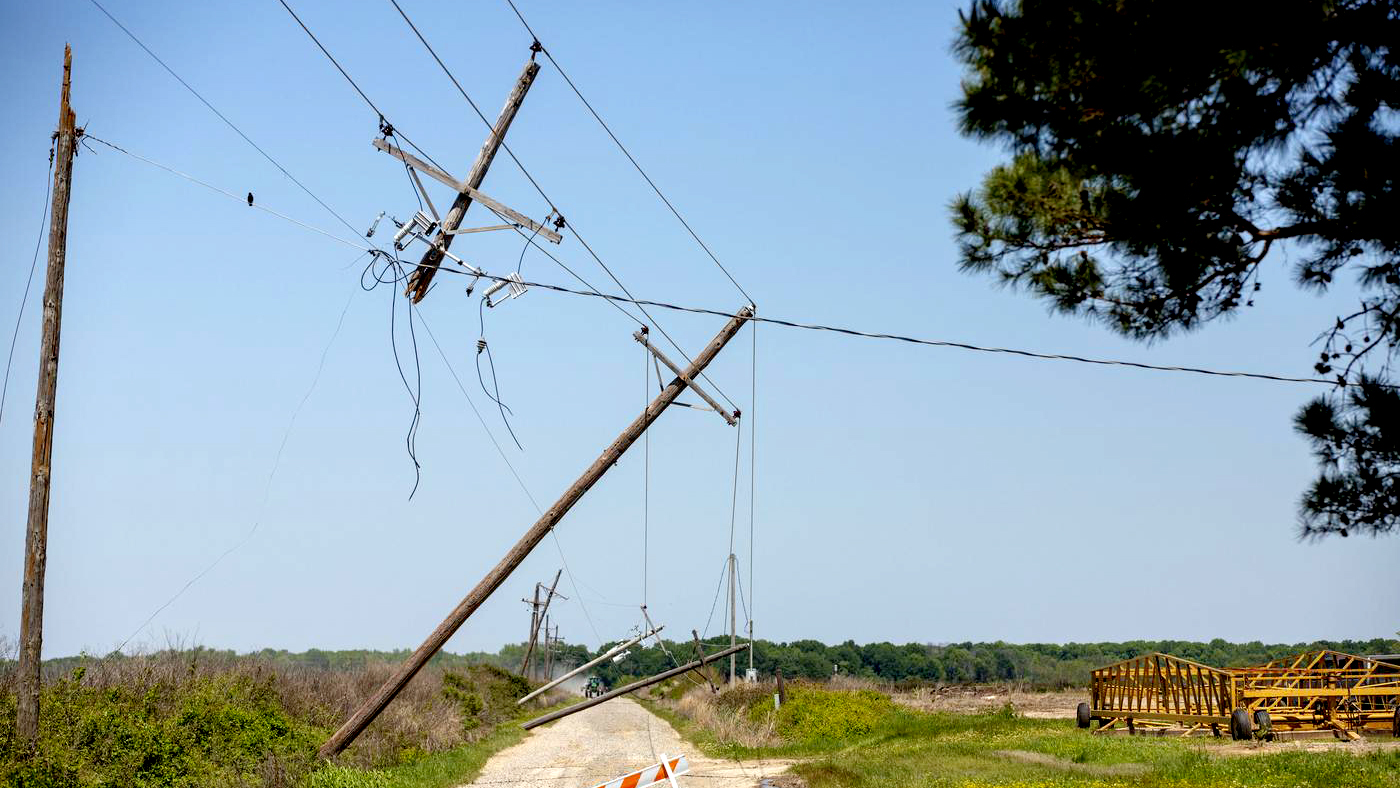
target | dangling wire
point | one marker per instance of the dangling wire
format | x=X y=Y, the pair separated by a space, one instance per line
x=753 y=464
x=33 y=264
x=646 y=477
x=526 y=248
x=481 y=346
x=392 y=267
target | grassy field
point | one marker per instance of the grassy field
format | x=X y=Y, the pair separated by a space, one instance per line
x=852 y=739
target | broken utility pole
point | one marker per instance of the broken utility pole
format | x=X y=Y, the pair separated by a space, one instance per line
x=537 y=614
x=620 y=647
x=421 y=278
x=372 y=706
x=31 y=623
x=633 y=687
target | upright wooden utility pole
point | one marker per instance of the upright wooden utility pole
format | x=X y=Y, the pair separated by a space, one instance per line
x=538 y=617
x=534 y=630
x=422 y=277
x=372 y=706
x=31 y=622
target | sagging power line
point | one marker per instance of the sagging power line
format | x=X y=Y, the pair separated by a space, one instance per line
x=795 y=324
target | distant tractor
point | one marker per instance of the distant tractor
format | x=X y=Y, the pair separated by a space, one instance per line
x=594 y=688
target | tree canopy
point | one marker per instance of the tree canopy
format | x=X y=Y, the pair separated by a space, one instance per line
x=1159 y=151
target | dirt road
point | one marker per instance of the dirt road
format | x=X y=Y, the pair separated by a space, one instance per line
x=607 y=741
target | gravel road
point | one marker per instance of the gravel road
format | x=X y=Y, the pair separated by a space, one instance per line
x=608 y=741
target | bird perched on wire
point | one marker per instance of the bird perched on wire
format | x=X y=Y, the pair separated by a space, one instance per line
x=250 y=199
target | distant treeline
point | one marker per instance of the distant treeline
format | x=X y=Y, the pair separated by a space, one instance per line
x=1045 y=665
x=1035 y=664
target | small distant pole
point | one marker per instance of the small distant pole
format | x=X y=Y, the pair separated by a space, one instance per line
x=31 y=624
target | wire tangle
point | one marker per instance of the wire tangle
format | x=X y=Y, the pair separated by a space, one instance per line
x=386 y=269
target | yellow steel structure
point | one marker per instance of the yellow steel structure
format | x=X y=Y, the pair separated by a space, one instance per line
x=1310 y=691
x=1323 y=689
x=1161 y=688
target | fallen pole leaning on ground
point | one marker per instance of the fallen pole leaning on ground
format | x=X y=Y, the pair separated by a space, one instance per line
x=585 y=666
x=636 y=685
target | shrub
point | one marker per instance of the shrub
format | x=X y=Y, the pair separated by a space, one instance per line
x=811 y=714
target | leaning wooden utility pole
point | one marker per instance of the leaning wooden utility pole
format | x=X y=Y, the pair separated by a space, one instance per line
x=370 y=709
x=36 y=535
x=422 y=277
x=633 y=687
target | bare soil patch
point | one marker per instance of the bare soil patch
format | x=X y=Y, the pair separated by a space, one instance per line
x=1058 y=704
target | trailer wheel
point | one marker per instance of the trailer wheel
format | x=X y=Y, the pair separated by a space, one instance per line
x=1395 y=724
x=1241 y=726
x=1081 y=715
x=1263 y=722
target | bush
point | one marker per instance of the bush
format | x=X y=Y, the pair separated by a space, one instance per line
x=811 y=714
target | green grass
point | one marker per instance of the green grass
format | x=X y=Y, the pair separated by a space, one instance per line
x=910 y=748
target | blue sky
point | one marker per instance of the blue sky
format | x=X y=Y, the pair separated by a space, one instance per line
x=903 y=493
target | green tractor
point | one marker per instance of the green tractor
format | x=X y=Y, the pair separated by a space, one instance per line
x=594 y=688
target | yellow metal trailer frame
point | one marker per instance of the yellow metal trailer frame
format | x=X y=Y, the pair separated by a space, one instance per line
x=1311 y=691
x=1160 y=688
x=1318 y=690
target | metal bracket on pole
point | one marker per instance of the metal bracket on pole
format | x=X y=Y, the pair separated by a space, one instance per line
x=461 y=187
x=732 y=418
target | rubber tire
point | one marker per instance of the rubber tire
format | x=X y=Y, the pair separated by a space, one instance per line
x=1264 y=724
x=1241 y=726
x=1395 y=725
x=1082 y=718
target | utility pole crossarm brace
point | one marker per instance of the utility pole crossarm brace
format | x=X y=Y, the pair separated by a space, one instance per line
x=462 y=187
x=732 y=418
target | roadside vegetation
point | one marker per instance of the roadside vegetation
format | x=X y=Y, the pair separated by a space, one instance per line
x=193 y=717
x=853 y=734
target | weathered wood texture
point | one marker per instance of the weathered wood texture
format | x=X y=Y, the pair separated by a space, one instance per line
x=633 y=687
x=31 y=623
x=421 y=278
x=520 y=220
x=551 y=517
x=730 y=418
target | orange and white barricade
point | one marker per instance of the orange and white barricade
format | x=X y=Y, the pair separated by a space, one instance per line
x=666 y=771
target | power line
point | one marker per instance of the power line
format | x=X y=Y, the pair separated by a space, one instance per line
x=593 y=292
x=221 y=115
x=928 y=342
x=558 y=546
x=225 y=192
x=628 y=153
x=383 y=120
x=267 y=486
x=546 y=198
x=24 y=299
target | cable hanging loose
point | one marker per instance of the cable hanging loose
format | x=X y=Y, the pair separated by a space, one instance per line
x=482 y=346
